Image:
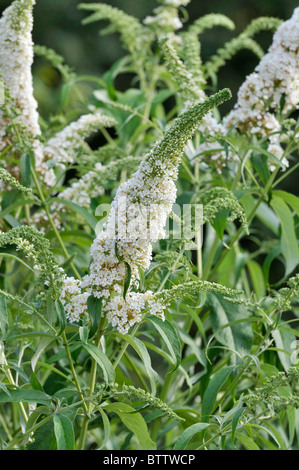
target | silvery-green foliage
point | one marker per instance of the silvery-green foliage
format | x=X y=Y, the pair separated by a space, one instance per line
x=158 y=338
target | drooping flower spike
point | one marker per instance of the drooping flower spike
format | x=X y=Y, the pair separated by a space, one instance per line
x=124 y=246
x=271 y=89
x=16 y=58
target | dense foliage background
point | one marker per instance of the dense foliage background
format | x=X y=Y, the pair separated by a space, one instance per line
x=58 y=25
x=101 y=345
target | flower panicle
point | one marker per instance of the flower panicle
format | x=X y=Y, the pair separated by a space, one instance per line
x=218 y=198
x=173 y=144
x=65 y=143
x=37 y=248
x=209 y=21
x=117 y=259
x=133 y=394
x=55 y=60
x=13 y=182
x=194 y=288
x=183 y=77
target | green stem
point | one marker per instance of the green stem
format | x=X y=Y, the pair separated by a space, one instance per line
x=68 y=353
x=57 y=234
x=125 y=346
x=249 y=219
x=28 y=432
x=212 y=439
x=5 y=427
x=171 y=270
x=209 y=261
x=10 y=378
x=243 y=369
x=136 y=371
x=285 y=175
x=163 y=396
x=92 y=383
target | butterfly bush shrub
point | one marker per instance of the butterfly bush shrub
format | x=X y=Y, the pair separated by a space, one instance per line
x=149 y=241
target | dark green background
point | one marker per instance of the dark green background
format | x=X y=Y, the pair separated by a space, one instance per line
x=58 y=25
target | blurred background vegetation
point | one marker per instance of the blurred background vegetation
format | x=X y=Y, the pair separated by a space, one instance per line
x=58 y=25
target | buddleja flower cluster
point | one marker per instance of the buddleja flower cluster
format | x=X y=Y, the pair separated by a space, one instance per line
x=166 y=16
x=279 y=392
x=124 y=246
x=270 y=92
x=16 y=58
x=37 y=248
x=133 y=394
x=271 y=89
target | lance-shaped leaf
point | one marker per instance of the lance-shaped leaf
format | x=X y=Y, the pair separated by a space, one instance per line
x=94 y=307
x=134 y=422
x=171 y=339
x=103 y=361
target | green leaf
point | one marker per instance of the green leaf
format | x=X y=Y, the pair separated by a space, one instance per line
x=291 y=414
x=128 y=276
x=210 y=396
x=42 y=345
x=5 y=389
x=103 y=361
x=195 y=348
x=260 y=164
x=83 y=334
x=94 y=307
x=219 y=222
x=283 y=340
x=3 y=316
x=257 y=278
x=268 y=217
x=12 y=206
x=289 y=243
x=64 y=94
x=25 y=395
x=267 y=154
x=271 y=256
x=87 y=216
x=141 y=279
x=107 y=427
x=64 y=432
x=169 y=335
x=223 y=315
x=144 y=356
x=188 y=434
x=44 y=438
x=246 y=442
x=134 y=422
x=35 y=383
x=61 y=316
x=25 y=165
x=276 y=436
x=289 y=198
x=236 y=418
x=16 y=258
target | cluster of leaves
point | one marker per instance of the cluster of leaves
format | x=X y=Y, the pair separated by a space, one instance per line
x=219 y=372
